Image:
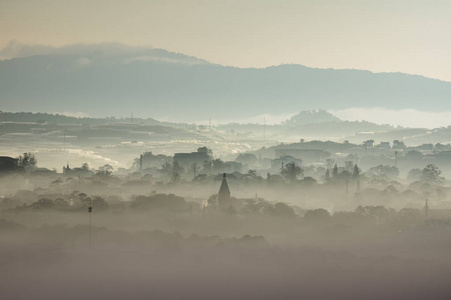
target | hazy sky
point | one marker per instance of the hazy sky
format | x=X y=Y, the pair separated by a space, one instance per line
x=407 y=36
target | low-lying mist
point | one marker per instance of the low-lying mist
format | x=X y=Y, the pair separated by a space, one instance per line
x=172 y=240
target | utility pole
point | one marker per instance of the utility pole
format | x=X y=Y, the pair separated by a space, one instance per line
x=90 y=228
x=347 y=187
x=426 y=208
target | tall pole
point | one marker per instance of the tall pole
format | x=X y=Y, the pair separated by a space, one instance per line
x=426 y=208
x=347 y=187
x=90 y=228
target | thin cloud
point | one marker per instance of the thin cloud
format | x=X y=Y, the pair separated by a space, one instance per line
x=402 y=117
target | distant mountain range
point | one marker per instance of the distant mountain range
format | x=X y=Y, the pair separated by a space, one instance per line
x=115 y=80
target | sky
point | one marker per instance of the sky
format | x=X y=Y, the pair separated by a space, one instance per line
x=381 y=36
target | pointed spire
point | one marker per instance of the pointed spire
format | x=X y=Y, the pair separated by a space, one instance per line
x=224 y=189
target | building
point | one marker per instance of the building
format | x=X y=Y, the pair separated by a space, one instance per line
x=224 y=201
x=82 y=172
x=279 y=163
x=384 y=145
x=232 y=166
x=8 y=164
x=397 y=144
x=187 y=160
x=368 y=144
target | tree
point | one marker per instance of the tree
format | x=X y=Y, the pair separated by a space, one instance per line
x=166 y=169
x=308 y=181
x=106 y=167
x=200 y=178
x=195 y=168
x=205 y=150
x=356 y=173
x=431 y=174
x=218 y=165
x=414 y=175
x=27 y=161
x=335 y=171
x=327 y=175
x=317 y=215
x=345 y=175
x=390 y=172
x=103 y=173
x=99 y=203
x=213 y=200
x=349 y=166
x=246 y=158
x=283 y=210
x=149 y=160
x=85 y=166
x=252 y=174
x=291 y=172
x=176 y=171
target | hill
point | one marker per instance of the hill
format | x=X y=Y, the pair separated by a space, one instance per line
x=106 y=80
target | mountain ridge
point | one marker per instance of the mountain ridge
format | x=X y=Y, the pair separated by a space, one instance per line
x=166 y=85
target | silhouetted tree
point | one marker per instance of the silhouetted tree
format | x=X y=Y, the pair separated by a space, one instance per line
x=283 y=210
x=213 y=200
x=291 y=172
x=317 y=215
x=356 y=172
x=349 y=166
x=335 y=171
x=205 y=150
x=391 y=172
x=166 y=169
x=103 y=173
x=431 y=174
x=27 y=161
x=251 y=174
x=99 y=204
x=106 y=167
x=327 y=175
x=414 y=174
x=176 y=171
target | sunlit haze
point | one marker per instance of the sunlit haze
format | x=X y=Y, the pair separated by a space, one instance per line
x=251 y=149
x=381 y=36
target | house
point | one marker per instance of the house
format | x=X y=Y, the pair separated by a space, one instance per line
x=384 y=145
x=187 y=160
x=277 y=164
x=8 y=164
